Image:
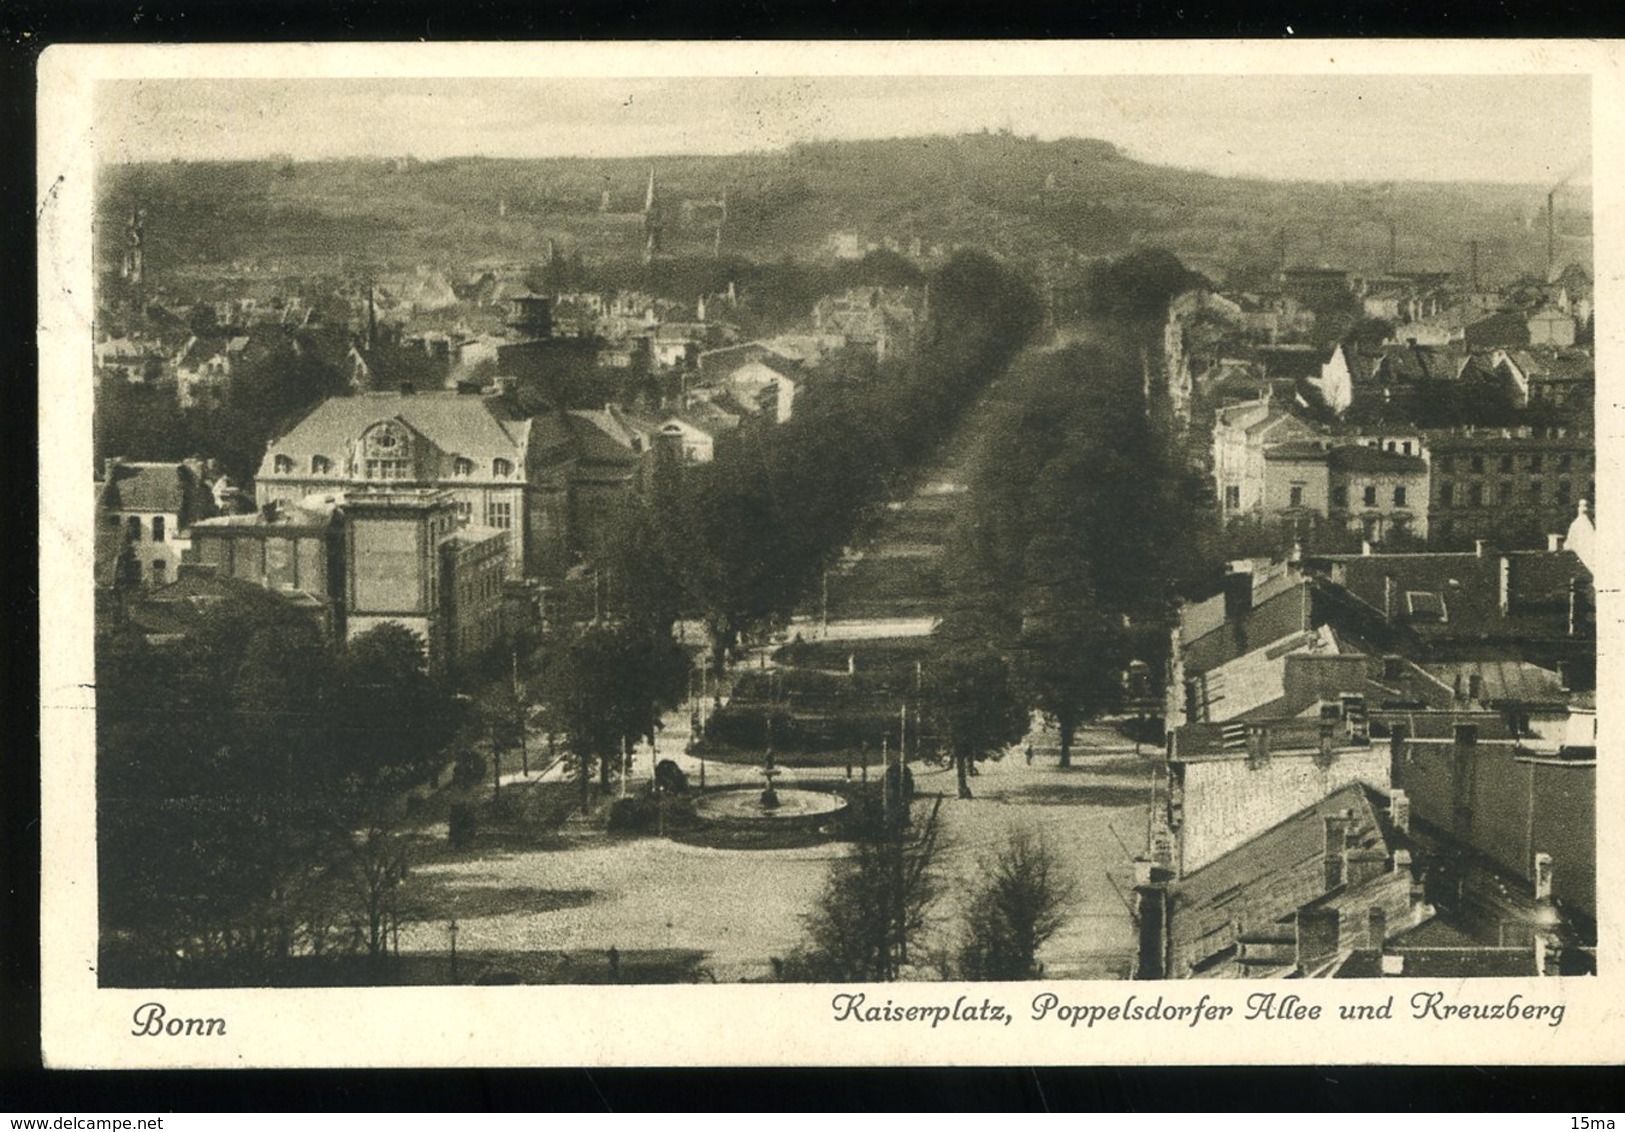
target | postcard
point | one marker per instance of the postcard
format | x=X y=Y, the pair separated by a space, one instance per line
x=809 y=554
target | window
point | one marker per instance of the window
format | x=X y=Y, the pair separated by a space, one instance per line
x=1399 y=496
x=1565 y=492
x=462 y=466
x=1565 y=461
x=159 y=571
x=499 y=514
x=465 y=512
x=387 y=470
x=1447 y=463
x=1370 y=495
x=501 y=467
x=1340 y=496
x=1447 y=494
x=1506 y=462
x=134 y=527
x=1503 y=492
x=1536 y=461
x=157 y=528
x=1535 y=487
x=1296 y=495
x=1478 y=463
x=1475 y=495
x=1406 y=448
x=1232 y=497
x=321 y=465
x=283 y=465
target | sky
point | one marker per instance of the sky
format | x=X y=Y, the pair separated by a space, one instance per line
x=1506 y=128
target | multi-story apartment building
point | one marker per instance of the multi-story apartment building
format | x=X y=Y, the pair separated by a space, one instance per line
x=1512 y=485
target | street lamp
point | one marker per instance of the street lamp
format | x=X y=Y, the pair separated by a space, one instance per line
x=453 y=930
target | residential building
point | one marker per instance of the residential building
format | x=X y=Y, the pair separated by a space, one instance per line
x=1517 y=485
x=145 y=513
x=1378 y=492
x=1241 y=434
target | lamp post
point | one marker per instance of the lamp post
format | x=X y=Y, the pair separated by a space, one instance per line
x=453 y=930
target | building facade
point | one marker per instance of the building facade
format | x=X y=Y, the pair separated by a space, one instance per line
x=503 y=472
x=1516 y=485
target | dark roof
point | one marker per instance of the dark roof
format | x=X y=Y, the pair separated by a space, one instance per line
x=1296 y=450
x=1469 y=587
x=1360 y=458
x=1290 y=844
x=151 y=487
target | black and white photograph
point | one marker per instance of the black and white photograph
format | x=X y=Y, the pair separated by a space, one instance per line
x=1035 y=530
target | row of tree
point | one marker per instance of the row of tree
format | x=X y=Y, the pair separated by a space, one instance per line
x=741 y=540
x=1078 y=534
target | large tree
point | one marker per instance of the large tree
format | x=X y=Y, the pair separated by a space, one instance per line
x=607 y=690
x=972 y=705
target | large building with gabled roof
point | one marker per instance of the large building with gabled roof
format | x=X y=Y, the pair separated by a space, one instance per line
x=502 y=471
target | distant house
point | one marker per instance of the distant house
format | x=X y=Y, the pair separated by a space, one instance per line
x=1550 y=326
x=692 y=434
x=761 y=383
x=205 y=365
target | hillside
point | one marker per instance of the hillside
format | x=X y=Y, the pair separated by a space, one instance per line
x=1046 y=203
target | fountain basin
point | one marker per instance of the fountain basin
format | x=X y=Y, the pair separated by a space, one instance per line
x=743 y=805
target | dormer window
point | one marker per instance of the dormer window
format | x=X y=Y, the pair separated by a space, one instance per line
x=321 y=465
x=283 y=465
x=462 y=467
x=501 y=468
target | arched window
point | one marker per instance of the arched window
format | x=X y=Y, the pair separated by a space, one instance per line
x=463 y=466
x=501 y=467
x=283 y=465
x=134 y=523
x=321 y=465
x=157 y=528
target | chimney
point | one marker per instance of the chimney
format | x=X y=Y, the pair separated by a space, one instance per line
x=1258 y=745
x=1478 y=547
x=1466 y=735
x=1399 y=810
x=1365 y=547
x=1543 y=876
x=1337 y=826
x=1387 y=597
x=1554 y=543
x=1238 y=594
x=1317 y=935
x=1376 y=927
x=1324 y=754
x=1504 y=585
x=1393 y=667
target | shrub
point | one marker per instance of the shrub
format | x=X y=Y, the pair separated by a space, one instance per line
x=414 y=805
x=469 y=769
x=670 y=778
x=461 y=828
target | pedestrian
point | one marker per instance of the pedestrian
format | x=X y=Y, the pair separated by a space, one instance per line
x=1029 y=754
x=614 y=964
